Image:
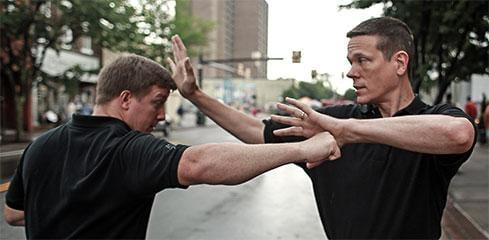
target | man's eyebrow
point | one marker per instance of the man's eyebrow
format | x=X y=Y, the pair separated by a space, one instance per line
x=356 y=55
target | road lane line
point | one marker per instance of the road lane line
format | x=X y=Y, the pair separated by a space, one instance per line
x=12 y=153
x=4 y=187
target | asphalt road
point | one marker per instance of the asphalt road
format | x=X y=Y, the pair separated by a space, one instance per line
x=276 y=205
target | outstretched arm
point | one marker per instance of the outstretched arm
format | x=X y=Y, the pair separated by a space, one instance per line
x=230 y=163
x=434 y=134
x=246 y=128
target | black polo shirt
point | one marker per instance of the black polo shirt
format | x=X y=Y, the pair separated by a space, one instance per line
x=380 y=191
x=93 y=177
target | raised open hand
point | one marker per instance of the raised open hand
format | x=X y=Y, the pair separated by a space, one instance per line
x=182 y=70
x=306 y=122
x=300 y=120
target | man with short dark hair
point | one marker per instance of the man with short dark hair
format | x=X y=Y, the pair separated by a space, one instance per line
x=97 y=176
x=398 y=153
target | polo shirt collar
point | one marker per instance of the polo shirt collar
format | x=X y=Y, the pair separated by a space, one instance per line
x=415 y=107
x=96 y=121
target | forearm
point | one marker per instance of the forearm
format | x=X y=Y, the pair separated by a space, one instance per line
x=434 y=134
x=232 y=163
x=246 y=128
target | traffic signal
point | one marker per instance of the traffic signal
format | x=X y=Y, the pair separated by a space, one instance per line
x=296 y=56
x=314 y=74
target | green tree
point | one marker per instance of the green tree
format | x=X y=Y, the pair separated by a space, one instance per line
x=451 y=38
x=315 y=90
x=30 y=27
x=350 y=94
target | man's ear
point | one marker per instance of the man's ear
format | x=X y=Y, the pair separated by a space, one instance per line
x=402 y=60
x=125 y=99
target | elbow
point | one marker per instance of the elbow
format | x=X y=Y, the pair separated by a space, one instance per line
x=10 y=220
x=462 y=135
x=188 y=172
x=13 y=217
x=193 y=169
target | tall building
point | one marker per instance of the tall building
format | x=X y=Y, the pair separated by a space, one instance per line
x=241 y=31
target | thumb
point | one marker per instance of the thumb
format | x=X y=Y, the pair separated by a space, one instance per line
x=310 y=165
x=335 y=154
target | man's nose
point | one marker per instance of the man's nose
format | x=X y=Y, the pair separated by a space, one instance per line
x=161 y=115
x=353 y=74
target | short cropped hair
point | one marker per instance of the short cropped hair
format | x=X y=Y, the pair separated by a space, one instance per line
x=394 y=35
x=134 y=73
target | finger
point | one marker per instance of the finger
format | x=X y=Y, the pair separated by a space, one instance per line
x=302 y=106
x=182 y=50
x=290 y=131
x=179 y=42
x=172 y=65
x=292 y=111
x=310 y=165
x=336 y=153
x=175 y=50
x=286 y=120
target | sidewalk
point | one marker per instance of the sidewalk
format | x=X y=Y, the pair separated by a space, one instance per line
x=467 y=211
x=466 y=215
x=10 y=153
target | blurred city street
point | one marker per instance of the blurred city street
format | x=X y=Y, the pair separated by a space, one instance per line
x=280 y=203
x=159 y=65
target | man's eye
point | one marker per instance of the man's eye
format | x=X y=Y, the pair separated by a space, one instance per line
x=158 y=103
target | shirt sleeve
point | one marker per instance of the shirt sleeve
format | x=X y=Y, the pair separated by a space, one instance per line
x=150 y=164
x=15 y=194
x=453 y=161
x=269 y=137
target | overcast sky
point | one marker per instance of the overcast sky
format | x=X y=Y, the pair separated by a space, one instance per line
x=316 y=28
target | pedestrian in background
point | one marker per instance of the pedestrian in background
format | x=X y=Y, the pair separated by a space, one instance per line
x=449 y=99
x=483 y=121
x=471 y=108
x=398 y=153
x=486 y=120
x=96 y=176
x=70 y=110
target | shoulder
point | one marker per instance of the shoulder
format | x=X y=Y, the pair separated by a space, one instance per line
x=146 y=144
x=344 y=111
x=46 y=137
x=445 y=109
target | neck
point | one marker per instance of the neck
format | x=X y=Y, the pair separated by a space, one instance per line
x=107 y=110
x=397 y=100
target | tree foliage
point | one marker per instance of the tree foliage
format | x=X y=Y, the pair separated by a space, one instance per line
x=30 y=27
x=350 y=95
x=315 y=90
x=451 y=38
